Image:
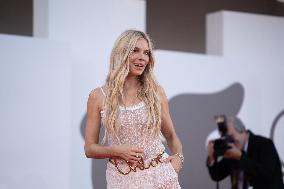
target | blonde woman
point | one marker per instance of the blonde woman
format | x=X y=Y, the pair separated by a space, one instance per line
x=134 y=110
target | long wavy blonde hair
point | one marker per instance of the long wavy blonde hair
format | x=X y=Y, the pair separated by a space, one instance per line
x=118 y=71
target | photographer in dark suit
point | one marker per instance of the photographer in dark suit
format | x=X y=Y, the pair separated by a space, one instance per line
x=250 y=160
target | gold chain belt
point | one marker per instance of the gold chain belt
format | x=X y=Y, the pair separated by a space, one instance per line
x=140 y=164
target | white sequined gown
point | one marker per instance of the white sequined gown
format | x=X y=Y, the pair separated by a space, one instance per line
x=133 y=122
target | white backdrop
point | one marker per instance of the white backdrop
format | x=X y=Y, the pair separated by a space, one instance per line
x=45 y=83
x=35 y=113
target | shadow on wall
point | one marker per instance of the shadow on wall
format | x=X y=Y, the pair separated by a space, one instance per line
x=192 y=115
x=98 y=165
x=275 y=128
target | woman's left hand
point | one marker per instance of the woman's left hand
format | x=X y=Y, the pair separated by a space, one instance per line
x=175 y=161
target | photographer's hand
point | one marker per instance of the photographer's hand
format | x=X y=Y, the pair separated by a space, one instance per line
x=233 y=152
x=210 y=151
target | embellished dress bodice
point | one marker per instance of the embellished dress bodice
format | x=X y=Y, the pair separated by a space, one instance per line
x=133 y=131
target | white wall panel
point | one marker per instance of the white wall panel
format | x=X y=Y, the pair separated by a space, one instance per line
x=35 y=80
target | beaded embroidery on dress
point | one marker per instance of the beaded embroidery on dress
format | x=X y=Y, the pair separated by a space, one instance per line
x=133 y=122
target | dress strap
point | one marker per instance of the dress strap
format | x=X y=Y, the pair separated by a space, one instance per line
x=103 y=91
x=104 y=140
x=105 y=135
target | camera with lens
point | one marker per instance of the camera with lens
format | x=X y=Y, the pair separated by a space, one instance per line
x=221 y=145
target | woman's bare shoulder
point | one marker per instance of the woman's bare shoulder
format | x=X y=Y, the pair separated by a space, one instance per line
x=98 y=92
x=162 y=92
x=96 y=96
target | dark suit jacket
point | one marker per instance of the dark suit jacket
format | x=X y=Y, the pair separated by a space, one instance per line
x=261 y=165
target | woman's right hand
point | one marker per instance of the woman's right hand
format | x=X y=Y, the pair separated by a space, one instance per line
x=129 y=153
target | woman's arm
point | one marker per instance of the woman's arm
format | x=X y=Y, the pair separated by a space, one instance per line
x=169 y=133
x=92 y=147
x=92 y=130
